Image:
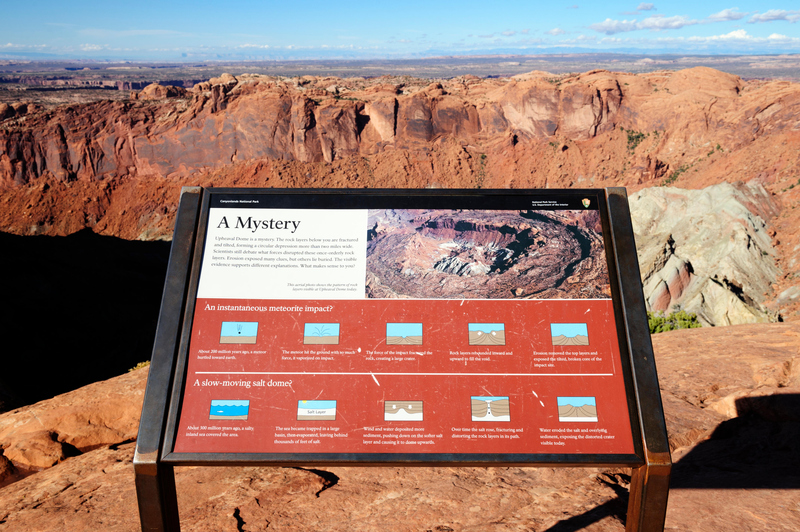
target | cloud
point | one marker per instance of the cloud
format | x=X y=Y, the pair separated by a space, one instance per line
x=610 y=27
x=726 y=15
x=104 y=33
x=489 y=36
x=660 y=22
x=654 y=23
x=775 y=14
x=573 y=6
x=556 y=31
x=20 y=46
x=253 y=46
x=509 y=33
x=91 y=47
x=646 y=7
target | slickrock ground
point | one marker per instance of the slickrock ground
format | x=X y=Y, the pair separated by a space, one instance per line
x=732 y=400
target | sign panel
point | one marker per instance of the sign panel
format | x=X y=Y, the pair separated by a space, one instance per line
x=371 y=324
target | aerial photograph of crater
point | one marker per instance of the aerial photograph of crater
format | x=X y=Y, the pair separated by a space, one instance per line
x=446 y=254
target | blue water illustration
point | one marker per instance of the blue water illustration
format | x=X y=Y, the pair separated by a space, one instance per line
x=485 y=398
x=316 y=405
x=321 y=329
x=487 y=328
x=570 y=330
x=576 y=401
x=239 y=328
x=404 y=329
x=229 y=408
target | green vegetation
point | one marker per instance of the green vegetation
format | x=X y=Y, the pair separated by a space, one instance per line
x=140 y=365
x=676 y=174
x=481 y=175
x=634 y=139
x=681 y=319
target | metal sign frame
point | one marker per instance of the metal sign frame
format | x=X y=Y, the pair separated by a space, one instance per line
x=155 y=459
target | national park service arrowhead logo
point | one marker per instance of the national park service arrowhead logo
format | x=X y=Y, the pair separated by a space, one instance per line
x=586 y=202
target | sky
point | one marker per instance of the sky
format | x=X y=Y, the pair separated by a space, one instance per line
x=253 y=29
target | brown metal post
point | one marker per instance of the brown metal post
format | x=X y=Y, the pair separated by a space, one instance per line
x=649 y=489
x=155 y=481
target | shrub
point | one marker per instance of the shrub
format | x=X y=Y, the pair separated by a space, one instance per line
x=681 y=319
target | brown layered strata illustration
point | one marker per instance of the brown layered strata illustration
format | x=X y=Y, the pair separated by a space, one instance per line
x=238 y=332
x=491 y=408
x=402 y=410
x=403 y=334
x=569 y=334
x=577 y=409
x=487 y=334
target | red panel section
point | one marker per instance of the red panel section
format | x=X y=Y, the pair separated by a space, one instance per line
x=362 y=392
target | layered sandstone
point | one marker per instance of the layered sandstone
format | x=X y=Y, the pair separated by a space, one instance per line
x=117 y=167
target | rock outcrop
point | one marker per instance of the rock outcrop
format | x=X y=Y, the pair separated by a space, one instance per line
x=117 y=167
x=706 y=251
x=734 y=437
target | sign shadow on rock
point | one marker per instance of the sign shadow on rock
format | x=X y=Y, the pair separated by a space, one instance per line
x=759 y=449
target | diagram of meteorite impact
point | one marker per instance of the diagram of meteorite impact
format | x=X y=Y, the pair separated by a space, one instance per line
x=316 y=410
x=402 y=410
x=238 y=332
x=321 y=334
x=487 y=334
x=228 y=409
x=403 y=334
x=569 y=334
x=577 y=409
x=491 y=408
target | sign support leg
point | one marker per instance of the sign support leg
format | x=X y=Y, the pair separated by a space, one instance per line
x=647 y=506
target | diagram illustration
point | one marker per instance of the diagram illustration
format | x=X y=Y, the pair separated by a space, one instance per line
x=569 y=334
x=491 y=408
x=321 y=334
x=402 y=410
x=238 y=332
x=577 y=409
x=487 y=334
x=316 y=410
x=228 y=409
x=403 y=334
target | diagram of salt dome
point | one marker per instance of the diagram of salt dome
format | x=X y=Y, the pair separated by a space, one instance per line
x=577 y=409
x=487 y=334
x=569 y=334
x=321 y=334
x=491 y=408
x=319 y=410
x=403 y=334
x=228 y=409
x=402 y=410
x=238 y=332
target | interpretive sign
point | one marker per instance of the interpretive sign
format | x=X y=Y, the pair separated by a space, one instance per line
x=404 y=327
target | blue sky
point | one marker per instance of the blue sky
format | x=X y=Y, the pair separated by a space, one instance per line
x=176 y=30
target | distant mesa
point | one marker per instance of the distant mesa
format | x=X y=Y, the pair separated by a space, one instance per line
x=238 y=332
x=403 y=334
x=316 y=410
x=402 y=410
x=487 y=334
x=569 y=334
x=491 y=408
x=577 y=409
x=229 y=409
x=321 y=334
